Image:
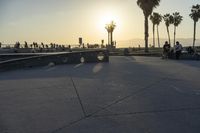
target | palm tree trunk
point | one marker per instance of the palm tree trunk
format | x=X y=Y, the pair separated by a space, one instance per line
x=111 y=39
x=153 y=35
x=158 y=37
x=194 y=37
x=108 y=39
x=168 y=35
x=146 y=33
x=174 y=35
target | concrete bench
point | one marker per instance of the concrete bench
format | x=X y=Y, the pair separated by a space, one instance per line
x=186 y=56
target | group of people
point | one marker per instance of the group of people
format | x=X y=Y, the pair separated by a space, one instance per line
x=167 y=50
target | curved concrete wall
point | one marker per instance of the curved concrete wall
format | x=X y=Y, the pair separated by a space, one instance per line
x=55 y=59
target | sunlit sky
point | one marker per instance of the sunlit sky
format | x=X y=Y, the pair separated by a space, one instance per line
x=64 y=21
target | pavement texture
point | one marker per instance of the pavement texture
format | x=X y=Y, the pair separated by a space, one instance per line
x=126 y=95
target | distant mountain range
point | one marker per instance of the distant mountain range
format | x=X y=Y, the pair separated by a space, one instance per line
x=138 y=41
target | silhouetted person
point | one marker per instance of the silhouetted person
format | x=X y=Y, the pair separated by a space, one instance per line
x=166 y=50
x=51 y=45
x=25 y=44
x=190 y=50
x=0 y=44
x=69 y=47
x=34 y=45
x=178 y=49
x=17 y=45
x=42 y=44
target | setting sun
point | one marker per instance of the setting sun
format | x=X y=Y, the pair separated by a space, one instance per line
x=106 y=17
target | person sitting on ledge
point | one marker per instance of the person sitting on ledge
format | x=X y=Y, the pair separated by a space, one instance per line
x=166 y=50
x=178 y=49
x=190 y=50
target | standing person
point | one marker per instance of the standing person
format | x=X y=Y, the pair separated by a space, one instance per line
x=178 y=49
x=69 y=47
x=25 y=44
x=0 y=44
x=166 y=50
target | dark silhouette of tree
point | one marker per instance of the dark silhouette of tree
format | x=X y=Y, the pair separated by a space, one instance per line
x=156 y=18
x=153 y=20
x=110 y=28
x=195 y=15
x=168 y=20
x=177 y=20
x=159 y=20
x=147 y=6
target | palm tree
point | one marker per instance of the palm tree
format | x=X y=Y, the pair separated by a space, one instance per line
x=156 y=18
x=147 y=6
x=153 y=20
x=177 y=20
x=110 y=28
x=168 y=20
x=195 y=15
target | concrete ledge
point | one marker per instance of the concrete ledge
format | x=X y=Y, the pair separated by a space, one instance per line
x=9 y=56
x=185 y=56
x=34 y=60
x=135 y=54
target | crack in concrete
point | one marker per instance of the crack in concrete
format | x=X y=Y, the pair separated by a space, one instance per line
x=106 y=107
x=124 y=98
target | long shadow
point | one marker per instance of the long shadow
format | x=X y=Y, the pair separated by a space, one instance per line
x=120 y=68
x=191 y=63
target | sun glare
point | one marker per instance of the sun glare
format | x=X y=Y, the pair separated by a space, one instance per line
x=106 y=18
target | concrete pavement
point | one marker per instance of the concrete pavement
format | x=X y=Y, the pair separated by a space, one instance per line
x=126 y=95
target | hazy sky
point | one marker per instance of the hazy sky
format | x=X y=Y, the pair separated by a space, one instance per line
x=63 y=21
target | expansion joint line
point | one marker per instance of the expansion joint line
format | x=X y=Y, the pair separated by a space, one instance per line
x=79 y=99
x=102 y=108
x=117 y=101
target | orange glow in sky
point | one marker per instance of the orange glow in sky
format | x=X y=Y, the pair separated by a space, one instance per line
x=64 y=21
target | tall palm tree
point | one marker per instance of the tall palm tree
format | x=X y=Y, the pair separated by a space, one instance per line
x=153 y=20
x=177 y=20
x=156 y=18
x=195 y=15
x=110 y=28
x=147 y=6
x=168 y=20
